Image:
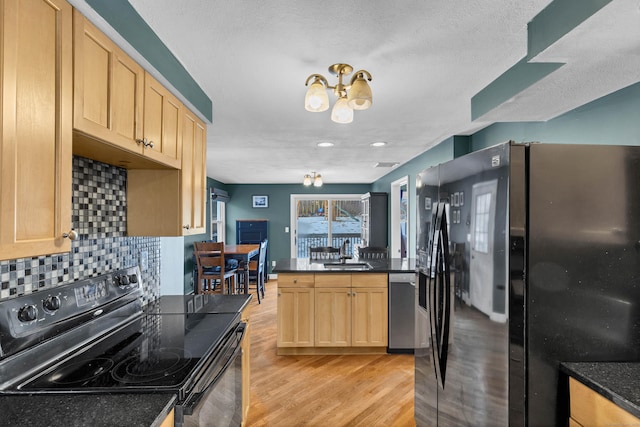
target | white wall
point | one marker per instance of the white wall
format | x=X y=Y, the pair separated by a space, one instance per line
x=171 y=265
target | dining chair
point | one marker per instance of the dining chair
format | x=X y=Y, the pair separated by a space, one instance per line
x=322 y=253
x=373 y=252
x=212 y=269
x=257 y=270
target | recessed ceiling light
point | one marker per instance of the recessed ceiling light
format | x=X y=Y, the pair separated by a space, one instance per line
x=325 y=144
x=378 y=144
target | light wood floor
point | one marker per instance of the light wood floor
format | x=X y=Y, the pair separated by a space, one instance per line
x=292 y=391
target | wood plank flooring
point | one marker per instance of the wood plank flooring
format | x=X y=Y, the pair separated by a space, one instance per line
x=292 y=391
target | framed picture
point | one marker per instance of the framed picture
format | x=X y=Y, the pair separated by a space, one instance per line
x=260 y=201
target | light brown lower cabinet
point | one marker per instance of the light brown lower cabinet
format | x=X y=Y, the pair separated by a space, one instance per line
x=589 y=408
x=332 y=313
x=169 y=420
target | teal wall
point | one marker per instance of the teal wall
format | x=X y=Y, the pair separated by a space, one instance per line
x=128 y=23
x=611 y=120
x=279 y=211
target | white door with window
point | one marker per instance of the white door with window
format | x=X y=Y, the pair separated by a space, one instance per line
x=483 y=214
x=324 y=220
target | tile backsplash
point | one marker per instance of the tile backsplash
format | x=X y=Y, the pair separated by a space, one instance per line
x=100 y=217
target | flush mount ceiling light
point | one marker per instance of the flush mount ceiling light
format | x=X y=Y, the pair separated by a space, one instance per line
x=315 y=179
x=354 y=96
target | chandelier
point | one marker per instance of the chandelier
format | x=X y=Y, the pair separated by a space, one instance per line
x=316 y=180
x=354 y=96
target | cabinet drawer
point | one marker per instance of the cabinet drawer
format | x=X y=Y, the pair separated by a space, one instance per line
x=374 y=280
x=590 y=408
x=333 y=280
x=296 y=280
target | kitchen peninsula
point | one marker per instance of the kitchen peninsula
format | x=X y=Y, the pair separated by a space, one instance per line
x=333 y=307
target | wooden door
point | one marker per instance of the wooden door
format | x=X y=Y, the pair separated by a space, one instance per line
x=162 y=124
x=295 y=317
x=369 y=317
x=36 y=127
x=333 y=317
x=108 y=88
x=194 y=156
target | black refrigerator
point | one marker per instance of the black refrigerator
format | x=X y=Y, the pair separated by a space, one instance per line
x=528 y=256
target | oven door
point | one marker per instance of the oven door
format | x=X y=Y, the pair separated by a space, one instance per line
x=219 y=399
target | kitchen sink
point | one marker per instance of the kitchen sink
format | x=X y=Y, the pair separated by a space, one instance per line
x=347 y=265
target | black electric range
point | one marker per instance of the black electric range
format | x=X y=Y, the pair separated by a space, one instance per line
x=201 y=303
x=94 y=336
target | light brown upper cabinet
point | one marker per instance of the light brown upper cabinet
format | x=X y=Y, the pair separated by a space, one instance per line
x=35 y=125
x=162 y=123
x=153 y=194
x=117 y=102
x=194 y=174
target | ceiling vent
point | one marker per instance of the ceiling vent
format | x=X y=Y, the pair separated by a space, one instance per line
x=386 y=164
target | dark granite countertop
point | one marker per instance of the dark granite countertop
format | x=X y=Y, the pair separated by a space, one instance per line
x=80 y=410
x=617 y=381
x=303 y=265
x=201 y=303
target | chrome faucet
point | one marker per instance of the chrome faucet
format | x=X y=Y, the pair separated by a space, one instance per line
x=343 y=252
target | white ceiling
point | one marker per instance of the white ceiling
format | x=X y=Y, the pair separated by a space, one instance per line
x=427 y=60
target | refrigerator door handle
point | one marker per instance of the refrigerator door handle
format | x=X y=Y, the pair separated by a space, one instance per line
x=439 y=295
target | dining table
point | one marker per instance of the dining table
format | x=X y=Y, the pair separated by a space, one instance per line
x=243 y=253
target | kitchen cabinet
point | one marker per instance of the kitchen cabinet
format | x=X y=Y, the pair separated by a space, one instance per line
x=589 y=408
x=373 y=225
x=193 y=174
x=351 y=310
x=162 y=124
x=35 y=124
x=295 y=310
x=108 y=89
x=169 y=420
x=340 y=313
x=118 y=106
x=171 y=202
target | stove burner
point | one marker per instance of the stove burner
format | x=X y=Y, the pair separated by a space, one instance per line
x=158 y=364
x=82 y=371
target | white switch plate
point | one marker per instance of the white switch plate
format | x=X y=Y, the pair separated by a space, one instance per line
x=286 y=229
x=273 y=263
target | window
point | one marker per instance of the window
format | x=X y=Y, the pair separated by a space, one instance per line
x=217 y=221
x=324 y=221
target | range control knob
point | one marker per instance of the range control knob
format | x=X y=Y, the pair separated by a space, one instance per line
x=123 y=280
x=52 y=303
x=28 y=313
x=133 y=278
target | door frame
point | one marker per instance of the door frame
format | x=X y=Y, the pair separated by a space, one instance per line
x=293 y=214
x=395 y=216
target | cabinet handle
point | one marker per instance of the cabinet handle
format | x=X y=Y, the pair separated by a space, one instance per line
x=71 y=235
x=295 y=280
x=279 y=293
x=187 y=227
x=145 y=142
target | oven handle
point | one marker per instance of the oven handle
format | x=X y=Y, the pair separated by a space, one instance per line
x=194 y=399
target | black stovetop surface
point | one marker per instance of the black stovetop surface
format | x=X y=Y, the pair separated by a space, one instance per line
x=153 y=352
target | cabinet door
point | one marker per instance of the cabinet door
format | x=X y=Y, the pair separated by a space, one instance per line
x=369 y=317
x=194 y=174
x=108 y=88
x=162 y=124
x=333 y=317
x=35 y=125
x=295 y=317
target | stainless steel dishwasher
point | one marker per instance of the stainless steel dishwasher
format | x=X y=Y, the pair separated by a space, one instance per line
x=401 y=312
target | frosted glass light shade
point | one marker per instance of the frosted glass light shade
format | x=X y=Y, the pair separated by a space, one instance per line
x=316 y=99
x=317 y=182
x=360 y=97
x=307 y=180
x=341 y=112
